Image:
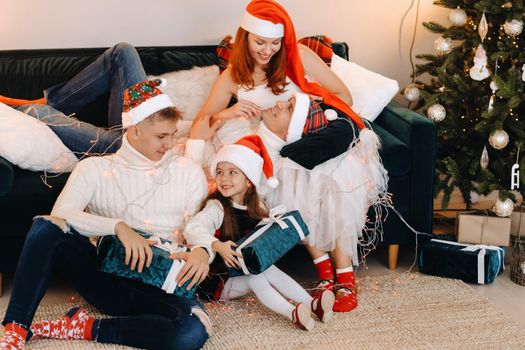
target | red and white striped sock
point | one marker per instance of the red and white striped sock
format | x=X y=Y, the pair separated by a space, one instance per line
x=14 y=337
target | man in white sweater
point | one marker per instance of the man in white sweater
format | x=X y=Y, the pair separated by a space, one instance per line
x=143 y=186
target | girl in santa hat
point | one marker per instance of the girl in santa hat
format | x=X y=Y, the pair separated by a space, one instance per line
x=268 y=66
x=229 y=213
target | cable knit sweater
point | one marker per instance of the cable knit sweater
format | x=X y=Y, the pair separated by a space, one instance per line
x=156 y=197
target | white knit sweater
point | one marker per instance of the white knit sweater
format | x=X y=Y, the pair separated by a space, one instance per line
x=157 y=197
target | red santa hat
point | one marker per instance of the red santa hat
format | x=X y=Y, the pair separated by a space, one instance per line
x=265 y=16
x=250 y=155
x=142 y=100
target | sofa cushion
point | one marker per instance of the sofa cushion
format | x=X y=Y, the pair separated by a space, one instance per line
x=394 y=153
x=44 y=152
x=31 y=186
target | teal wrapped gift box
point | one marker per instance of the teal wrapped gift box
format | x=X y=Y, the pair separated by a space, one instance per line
x=161 y=273
x=473 y=263
x=268 y=242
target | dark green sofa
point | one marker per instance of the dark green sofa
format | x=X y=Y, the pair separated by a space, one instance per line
x=408 y=141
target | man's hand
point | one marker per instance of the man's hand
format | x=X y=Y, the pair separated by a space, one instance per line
x=196 y=267
x=227 y=252
x=138 y=249
x=203 y=129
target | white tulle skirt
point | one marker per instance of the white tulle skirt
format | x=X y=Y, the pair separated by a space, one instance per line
x=334 y=197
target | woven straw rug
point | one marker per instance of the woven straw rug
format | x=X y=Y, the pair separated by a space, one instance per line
x=395 y=312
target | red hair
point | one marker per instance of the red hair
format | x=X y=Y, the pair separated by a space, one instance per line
x=242 y=65
x=272 y=11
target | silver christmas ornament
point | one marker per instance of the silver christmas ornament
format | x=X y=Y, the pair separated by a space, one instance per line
x=499 y=139
x=494 y=86
x=443 y=45
x=523 y=72
x=436 y=112
x=479 y=70
x=503 y=208
x=411 y=93
x=483 y=27
x=457 y=17
x=484 y=160
x=513 y=28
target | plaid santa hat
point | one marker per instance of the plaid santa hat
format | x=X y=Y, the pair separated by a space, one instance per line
x=269 y=19
x=250 y=155
x=142 y=100
x=308 y=117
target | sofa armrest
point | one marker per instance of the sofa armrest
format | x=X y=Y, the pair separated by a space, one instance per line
x=6 y=176
x=419 y=134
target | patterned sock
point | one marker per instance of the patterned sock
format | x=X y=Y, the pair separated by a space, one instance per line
x=56 y=329
x=76 y=324
x=14 y=337
x=19 y=102
x=346 y=296
x=325 y=274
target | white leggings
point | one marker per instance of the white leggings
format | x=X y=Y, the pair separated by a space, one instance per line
x=270 y=287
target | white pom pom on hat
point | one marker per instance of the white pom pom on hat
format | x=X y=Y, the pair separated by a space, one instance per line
x=331 y=114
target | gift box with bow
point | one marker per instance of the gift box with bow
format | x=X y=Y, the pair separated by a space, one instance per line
x=473 y=263
x=161 y=273
x=269 y=241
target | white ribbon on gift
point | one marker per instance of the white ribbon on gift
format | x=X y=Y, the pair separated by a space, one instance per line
x=169 y=283
x=481 y=255
x=275 y=216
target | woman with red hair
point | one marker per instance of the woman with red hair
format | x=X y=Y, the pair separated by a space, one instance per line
x=268 y=67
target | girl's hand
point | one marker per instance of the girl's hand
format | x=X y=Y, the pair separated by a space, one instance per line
x=242 y=108
x=138 y=249
x=227 y=252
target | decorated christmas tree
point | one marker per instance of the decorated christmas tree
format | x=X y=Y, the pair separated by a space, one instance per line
x=476 y=96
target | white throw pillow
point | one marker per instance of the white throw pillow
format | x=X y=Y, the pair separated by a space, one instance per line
x=30 y=144
x=190 y=88
x=371 y=92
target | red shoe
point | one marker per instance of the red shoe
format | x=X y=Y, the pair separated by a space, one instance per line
x=322 y=286
x=345 y=300
x=302 y=317
x=322 y=306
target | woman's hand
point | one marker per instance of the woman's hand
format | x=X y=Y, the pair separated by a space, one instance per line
x=203 y=128
x=242 y=108
x=227 y=252
x=138 y=249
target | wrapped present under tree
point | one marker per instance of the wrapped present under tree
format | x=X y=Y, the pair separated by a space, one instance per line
x=482 y=227
x=468 y=262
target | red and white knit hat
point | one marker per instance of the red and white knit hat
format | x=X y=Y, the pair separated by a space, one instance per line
x=265 y=17
x=250 y=155
x=142 y=100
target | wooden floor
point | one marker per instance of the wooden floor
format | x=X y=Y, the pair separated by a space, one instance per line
x=507 y=296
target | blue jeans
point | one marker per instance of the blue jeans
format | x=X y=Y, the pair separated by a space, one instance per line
x=80 y=137
x=146 y=317
x=118 y=68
